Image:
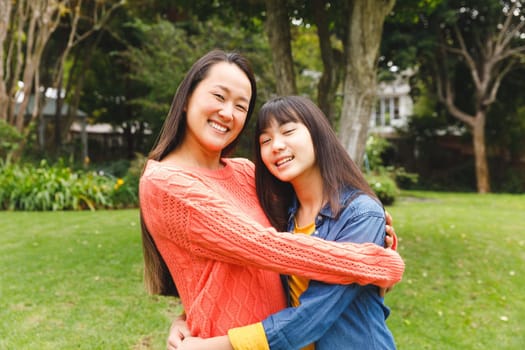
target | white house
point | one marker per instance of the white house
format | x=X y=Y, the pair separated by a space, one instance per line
x=393 y=107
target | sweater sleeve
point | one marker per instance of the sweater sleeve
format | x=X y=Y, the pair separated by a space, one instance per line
x=200 y=220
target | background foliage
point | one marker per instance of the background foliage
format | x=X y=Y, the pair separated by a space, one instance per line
x=126 y=68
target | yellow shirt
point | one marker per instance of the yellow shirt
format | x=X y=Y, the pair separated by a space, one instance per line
x=253 y=337
x=299 y=284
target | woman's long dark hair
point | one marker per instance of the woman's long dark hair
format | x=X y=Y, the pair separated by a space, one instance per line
x=157 y=277
x=337 y=169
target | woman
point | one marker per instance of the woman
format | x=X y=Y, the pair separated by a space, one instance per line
x=203 y=228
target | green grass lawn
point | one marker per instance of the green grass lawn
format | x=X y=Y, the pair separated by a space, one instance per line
x=464 y=282
x=73 y=280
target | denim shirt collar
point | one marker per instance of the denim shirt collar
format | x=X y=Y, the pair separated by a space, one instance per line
x=325 y=211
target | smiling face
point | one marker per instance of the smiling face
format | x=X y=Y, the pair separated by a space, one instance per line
x=217 y=109
x=287 y=151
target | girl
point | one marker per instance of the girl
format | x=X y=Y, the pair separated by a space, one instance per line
x=300 y=165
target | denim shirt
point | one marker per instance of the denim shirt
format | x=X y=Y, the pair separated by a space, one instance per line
x=337 y=316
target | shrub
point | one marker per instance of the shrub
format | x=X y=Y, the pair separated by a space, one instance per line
x=126 y=189
x=403 y=178
x=375 y=148
x=58 y=187
x=9 y=139
x=390 y=178
x=512 y=182
x=384 y=187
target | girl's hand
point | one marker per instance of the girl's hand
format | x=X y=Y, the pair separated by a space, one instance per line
x=192 y=343
x=178 y=332
x=196 y=343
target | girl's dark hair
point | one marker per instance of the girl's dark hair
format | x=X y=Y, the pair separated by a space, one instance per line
x=157 y=277
x=337 y=169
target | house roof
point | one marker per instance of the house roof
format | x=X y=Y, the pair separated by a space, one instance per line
x=99 y=128
x=49 y=108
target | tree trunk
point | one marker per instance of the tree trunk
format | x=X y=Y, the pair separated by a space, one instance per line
x=14 y=60
x=5 y=14
x=58 y=116
x=480 y=154
x=329 y=82
x=277 y=28
x=489 y=56
x=366 y=20
x=43 y=20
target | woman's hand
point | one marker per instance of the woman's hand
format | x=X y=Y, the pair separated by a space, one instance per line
x=390 y=243
x=390 y=238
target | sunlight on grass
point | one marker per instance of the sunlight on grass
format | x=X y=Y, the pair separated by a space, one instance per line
x=74 y=279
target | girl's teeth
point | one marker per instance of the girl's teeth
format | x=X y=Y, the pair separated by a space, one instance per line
x=281 y=162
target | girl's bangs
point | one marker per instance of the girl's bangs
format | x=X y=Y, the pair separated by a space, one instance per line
x=277 y=112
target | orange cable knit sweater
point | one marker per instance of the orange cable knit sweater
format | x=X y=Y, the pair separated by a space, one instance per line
x=224 y=256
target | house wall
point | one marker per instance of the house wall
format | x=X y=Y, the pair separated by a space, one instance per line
x=392 y=109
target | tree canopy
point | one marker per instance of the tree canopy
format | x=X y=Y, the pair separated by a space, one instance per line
x=463 y=51
x=121 y=61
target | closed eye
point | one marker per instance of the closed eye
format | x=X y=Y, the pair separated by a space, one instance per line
x=264 y=140
x=219 y=96
x=242 y=108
